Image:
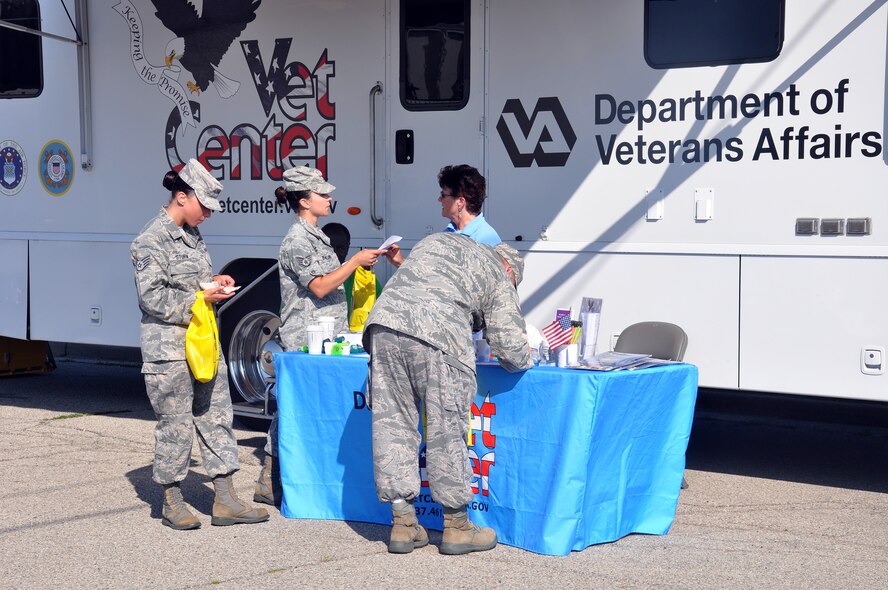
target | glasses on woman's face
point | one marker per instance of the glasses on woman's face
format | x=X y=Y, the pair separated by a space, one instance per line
x=446 y=195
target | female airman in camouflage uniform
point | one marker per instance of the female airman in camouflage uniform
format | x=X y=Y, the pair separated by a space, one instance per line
x=311 y=285
x=171 y=260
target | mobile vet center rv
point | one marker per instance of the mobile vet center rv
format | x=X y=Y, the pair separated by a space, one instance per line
x=718 y=164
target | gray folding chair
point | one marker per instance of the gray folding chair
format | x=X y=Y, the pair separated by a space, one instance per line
x=661 y=340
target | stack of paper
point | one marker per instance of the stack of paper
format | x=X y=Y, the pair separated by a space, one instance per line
x=614 y=361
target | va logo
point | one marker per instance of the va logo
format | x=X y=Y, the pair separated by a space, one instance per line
x=545 y=137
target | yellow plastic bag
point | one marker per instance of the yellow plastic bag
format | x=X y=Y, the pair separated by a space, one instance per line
x=202 y=341
x=363 y=298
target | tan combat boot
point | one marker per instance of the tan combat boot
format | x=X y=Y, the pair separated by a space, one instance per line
x=175 y=512
x=407 y=533
x=462 y=535
x=229 y=509
x=268 y=486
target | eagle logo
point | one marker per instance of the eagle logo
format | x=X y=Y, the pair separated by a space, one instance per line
x=202 y=40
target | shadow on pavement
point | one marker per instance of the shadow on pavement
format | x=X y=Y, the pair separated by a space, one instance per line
x=80 y=388
x=196 y=489
x=835 y=443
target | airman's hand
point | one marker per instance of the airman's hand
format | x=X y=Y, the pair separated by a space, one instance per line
x=367 y=257
x=224 y=280
x=394 y=255
x=216 y=294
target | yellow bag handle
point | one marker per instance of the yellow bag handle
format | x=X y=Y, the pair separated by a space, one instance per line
x=202 y=340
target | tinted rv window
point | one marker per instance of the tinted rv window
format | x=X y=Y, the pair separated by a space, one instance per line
x=434 y=54
x=682 y=33
x=21 y=74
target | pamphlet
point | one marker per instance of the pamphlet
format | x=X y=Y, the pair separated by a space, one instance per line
x=391 y=240
x=613 y=361
x=652 y=362
x=213 y=284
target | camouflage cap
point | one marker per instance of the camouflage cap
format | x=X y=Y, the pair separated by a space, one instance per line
x=205 y=186
x=303 y=178
x=511 y=255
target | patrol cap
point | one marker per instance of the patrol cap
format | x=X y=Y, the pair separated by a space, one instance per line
x=205 y=186
x=303 y=178
x=511 y=255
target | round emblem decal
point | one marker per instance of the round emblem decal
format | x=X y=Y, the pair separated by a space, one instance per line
x=56 y=168
x=15 y=167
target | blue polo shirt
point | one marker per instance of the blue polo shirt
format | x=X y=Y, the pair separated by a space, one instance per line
x=479 y=230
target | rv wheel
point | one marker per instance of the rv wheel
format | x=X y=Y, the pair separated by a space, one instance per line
x=253 y=342
x=247 y=326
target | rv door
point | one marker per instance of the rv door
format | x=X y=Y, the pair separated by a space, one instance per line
x=436 y=97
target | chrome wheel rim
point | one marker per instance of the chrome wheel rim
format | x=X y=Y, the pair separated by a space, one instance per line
x=254 y=337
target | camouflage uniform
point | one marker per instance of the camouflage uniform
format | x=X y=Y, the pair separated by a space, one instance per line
x=305 y=254
x=170 y=263
x=419 y=335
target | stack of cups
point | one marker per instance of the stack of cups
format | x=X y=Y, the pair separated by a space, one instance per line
x=566 y=356
x=328 y=326
x=315 y=339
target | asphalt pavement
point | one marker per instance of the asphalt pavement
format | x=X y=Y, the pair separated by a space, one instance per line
x=783 y=494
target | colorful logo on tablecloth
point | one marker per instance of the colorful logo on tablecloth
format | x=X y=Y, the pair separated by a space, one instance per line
x=56 y=168
x=482 y=453
x=15 y=167
x=482 y=422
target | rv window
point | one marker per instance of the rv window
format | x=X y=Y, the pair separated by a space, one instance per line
x=434 y=54
x=21 y=75
x=683 y=33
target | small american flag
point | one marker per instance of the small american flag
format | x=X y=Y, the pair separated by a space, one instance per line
x=558 y=332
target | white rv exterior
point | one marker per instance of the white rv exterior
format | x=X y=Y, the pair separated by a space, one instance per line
x=672 y=193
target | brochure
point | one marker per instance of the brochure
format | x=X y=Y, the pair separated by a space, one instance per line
x=613 y=361
x=391 y=240
x=652 y=362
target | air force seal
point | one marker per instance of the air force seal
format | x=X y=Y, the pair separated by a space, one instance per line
x=15 y=167
x=56 y=168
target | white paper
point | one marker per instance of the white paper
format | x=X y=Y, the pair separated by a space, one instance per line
x=391 y=240
x=214 y=284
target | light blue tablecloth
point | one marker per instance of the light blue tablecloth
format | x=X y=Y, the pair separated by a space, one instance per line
x=563 y=458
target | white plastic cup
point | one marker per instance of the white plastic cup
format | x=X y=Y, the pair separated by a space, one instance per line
x=566 y=355
x=573 y=352
x=328 y=326
x=315 y=339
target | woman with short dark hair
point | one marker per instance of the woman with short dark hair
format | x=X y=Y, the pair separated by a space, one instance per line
x=463 y=190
